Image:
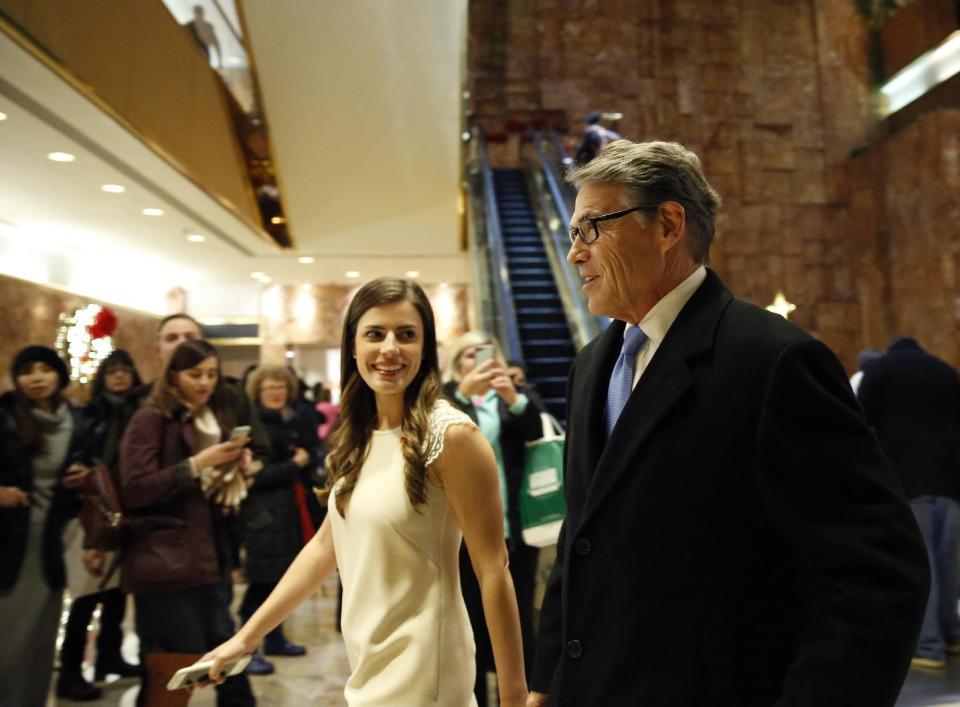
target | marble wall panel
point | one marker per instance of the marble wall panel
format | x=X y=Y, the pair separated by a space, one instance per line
x=30 y=315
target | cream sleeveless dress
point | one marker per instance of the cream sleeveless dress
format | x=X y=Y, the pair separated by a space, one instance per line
x=408 y=636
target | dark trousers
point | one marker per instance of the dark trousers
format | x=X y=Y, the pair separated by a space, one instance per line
x=257 y=593
x=523 y=572
x=109 y=638
x=193 y=620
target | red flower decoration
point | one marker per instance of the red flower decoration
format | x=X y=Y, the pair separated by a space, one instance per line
x=104 y=324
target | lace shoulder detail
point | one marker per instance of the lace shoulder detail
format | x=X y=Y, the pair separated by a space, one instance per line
x=441 y=417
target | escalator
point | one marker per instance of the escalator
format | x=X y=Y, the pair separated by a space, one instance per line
x=544 y=334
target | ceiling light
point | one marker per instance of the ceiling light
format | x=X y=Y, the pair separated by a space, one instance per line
x=266 y=279
x=153 y=212
x=306 y=259
x=61 y=157
x=258 y=275
x=3 y=116
x=352 y=274
x=413 y=273
x=196 y=238
x=113 y=188
x=277 y=220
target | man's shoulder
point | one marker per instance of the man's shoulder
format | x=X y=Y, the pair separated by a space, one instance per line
x=753 y=326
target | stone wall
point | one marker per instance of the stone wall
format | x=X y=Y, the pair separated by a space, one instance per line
x=31 y=316
x=773 y=94
x=905 y=211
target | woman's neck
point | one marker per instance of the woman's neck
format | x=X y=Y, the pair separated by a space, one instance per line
x=45 y=404
x=389 y=412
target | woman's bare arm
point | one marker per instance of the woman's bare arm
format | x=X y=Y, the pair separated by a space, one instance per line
x=468 y=470
x=312 y=566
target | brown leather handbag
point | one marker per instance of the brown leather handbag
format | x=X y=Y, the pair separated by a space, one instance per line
x=101 y=515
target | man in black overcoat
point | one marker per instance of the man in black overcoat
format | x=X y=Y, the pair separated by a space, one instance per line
x=735 y=536
x=912 y=400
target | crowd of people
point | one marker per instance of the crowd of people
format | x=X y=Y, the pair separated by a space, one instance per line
x=742 y=527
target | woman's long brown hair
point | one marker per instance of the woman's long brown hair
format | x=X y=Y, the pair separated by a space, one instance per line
x=350 y=442
x=166 y=397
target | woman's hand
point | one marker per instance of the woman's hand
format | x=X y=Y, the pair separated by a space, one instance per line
x=233 y=649
x=12 y=497
x=301 y=457
x=537 y=699
x=503 y=386
x=75 y=476
x=93 y=561
x=219 y=454
x=477 y=381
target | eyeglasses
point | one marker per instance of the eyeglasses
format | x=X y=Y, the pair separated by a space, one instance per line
x=588 y=231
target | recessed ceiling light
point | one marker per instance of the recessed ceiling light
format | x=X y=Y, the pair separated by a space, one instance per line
x=257 y=275
x=266 y=279
x=413 y=273
x=113 y=188
x=3 y=116
x=61 y=157
x=277 y=220
x=196 y=238
x=352 y=274
x=153 y=212
x=306 y=259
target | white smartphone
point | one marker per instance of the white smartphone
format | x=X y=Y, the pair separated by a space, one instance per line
x=197 y=674
x=240 y=432
x=483 y=353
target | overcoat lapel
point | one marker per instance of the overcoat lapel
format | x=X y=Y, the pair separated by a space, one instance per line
x=663 y=384
x=591 y=415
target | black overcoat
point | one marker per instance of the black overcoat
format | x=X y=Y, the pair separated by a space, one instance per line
x=912 y=400
x=740 y=540
x=272 y=532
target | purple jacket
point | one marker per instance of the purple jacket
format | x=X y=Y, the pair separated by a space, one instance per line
x=177 y=537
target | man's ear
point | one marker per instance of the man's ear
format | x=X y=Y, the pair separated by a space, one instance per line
x=673 y=219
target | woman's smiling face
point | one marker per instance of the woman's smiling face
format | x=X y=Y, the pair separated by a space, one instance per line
x=389 y=347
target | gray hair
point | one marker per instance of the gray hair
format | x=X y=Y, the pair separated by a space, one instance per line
x=653 y=172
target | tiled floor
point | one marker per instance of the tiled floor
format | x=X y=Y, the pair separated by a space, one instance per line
x=317 y=679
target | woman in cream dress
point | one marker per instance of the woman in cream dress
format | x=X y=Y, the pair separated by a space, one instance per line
x=407 y=477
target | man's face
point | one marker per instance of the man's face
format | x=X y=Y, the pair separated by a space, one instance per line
x=623 y=268
x=172 y=334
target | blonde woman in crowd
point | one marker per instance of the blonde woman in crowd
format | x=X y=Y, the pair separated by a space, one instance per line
x=408 y=474
x=508 y=417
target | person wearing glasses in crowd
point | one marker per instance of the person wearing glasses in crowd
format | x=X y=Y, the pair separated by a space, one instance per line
x=734 y=535
x=276 y=516
x=40 y=472
x=408 y=477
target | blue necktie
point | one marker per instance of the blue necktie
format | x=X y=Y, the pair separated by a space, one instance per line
x=621 y=382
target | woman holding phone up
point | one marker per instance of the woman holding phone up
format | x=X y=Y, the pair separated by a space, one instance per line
x=177 y=558
x=406 y=474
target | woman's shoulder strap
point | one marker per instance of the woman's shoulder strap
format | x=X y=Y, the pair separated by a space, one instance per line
x=441 y=417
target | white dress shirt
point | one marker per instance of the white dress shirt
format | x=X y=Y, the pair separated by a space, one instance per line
x=660 y=318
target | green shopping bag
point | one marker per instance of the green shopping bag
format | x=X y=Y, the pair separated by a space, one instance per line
x=542 y=506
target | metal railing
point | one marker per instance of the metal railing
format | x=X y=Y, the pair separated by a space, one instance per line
x=553 y=209
x=495 y=311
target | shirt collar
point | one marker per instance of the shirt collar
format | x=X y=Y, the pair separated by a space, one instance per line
x=661 y=316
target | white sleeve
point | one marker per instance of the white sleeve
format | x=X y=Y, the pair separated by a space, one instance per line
x=441 y=417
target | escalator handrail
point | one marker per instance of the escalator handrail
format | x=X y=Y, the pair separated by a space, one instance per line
x=586 y=325
x=506 y=315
